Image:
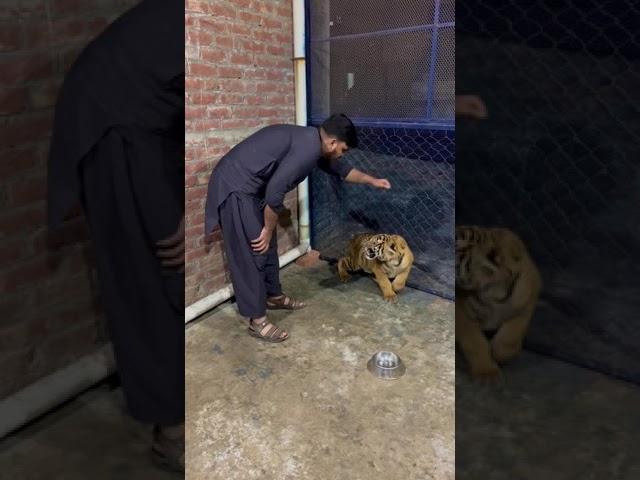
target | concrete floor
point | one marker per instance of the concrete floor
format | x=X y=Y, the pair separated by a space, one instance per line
x=549 y=420
x=89 y=438
x=308 y=408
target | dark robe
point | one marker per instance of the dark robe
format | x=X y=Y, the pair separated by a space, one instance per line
x=259 y=171
x=267 y=165
x=117 y=147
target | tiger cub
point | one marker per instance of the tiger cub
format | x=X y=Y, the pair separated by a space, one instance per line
x=385 y=256
x=497 y=287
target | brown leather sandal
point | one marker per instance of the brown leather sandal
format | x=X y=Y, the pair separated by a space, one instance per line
x=267 y=331
x=284 y=302
x=168 y=454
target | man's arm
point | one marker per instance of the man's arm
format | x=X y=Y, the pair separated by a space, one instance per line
x=287 y=174
x=348 y=173
x=356 y=176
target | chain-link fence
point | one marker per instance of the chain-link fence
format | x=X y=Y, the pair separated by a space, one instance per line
x=557 y=161
x=392 y=73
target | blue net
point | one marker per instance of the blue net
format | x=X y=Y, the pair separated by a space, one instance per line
x=393 y=75
x=556 y=161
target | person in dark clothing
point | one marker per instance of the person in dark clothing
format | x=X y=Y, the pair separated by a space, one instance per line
x=118 y=149
x=245 y=196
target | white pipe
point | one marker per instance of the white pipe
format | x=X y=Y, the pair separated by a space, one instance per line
x=49 y=392
x=211 y=301
x=216 y=298
x=207 y=303
x=300 y=80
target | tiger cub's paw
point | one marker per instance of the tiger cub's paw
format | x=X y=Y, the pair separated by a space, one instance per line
x=342 y=271
x=486 y=374
x=390 y=296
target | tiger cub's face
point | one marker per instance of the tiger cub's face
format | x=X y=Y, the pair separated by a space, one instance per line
x=483 y=262
x=389 y=249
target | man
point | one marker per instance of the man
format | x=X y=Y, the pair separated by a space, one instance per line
x=246 y=194
x=117 y=146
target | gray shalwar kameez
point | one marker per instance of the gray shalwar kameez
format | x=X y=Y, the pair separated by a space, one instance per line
x=259 y=171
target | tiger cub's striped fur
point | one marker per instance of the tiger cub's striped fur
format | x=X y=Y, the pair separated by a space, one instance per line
x=385 y=256
x=497 y=287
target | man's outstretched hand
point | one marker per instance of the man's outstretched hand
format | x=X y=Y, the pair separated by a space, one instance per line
x=382 y=183
x=171 y=249
x=470 y=106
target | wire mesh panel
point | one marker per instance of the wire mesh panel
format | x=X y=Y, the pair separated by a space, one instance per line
x=563 y=172
x=391 y=70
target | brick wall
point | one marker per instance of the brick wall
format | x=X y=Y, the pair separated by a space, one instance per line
x=49 y=313
x=239 y=78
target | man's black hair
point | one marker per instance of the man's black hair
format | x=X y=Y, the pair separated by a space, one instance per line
x=342 y=128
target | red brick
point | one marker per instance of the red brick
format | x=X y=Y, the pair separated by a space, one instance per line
x=192 y=84
x=231 y=98
x=284 y=12
x=213 y=25
x=194 y=112
x=24 y=333
x=65 y=31
x=45 y=95
x=28 y=190
x=23 y=220
x=69 y=345
x=202 y=98
x=230 y=72
x=22 y=68
x=255 y=74
x=13 y=100
x=195 y=193
x=254 y=99
x=60 y=288
x=26 y=273
x=221 y=10
x=202 y=70
x=17 y=161
x=10 y=36
x=68 y=57
x=250 y=18
x=67 y=316
x=22 y=9
x=15 y=366
x=276 y=50
x=206 y=125
x=66 y=7
x=197 y=6
x=262 y=36
x=273 y=24
x=95 y=26
x=225 y=42
x=197 y=37
x=27 y=128
x=242 y=4
x=240 y=59
x=212 y=55
x=241 y=123
x=71 y=232
x=37 y=34
x=240 y=30
x=279 y=75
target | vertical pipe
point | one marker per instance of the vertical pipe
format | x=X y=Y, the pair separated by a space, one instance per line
x=433 y=58
x=301 y=110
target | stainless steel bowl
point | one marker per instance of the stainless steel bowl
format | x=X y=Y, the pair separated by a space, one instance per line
x=386 y=365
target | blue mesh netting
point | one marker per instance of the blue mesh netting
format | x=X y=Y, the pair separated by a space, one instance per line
x=393 y=75
x=557 y=162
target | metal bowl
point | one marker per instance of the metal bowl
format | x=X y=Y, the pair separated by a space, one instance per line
x=386 y=365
